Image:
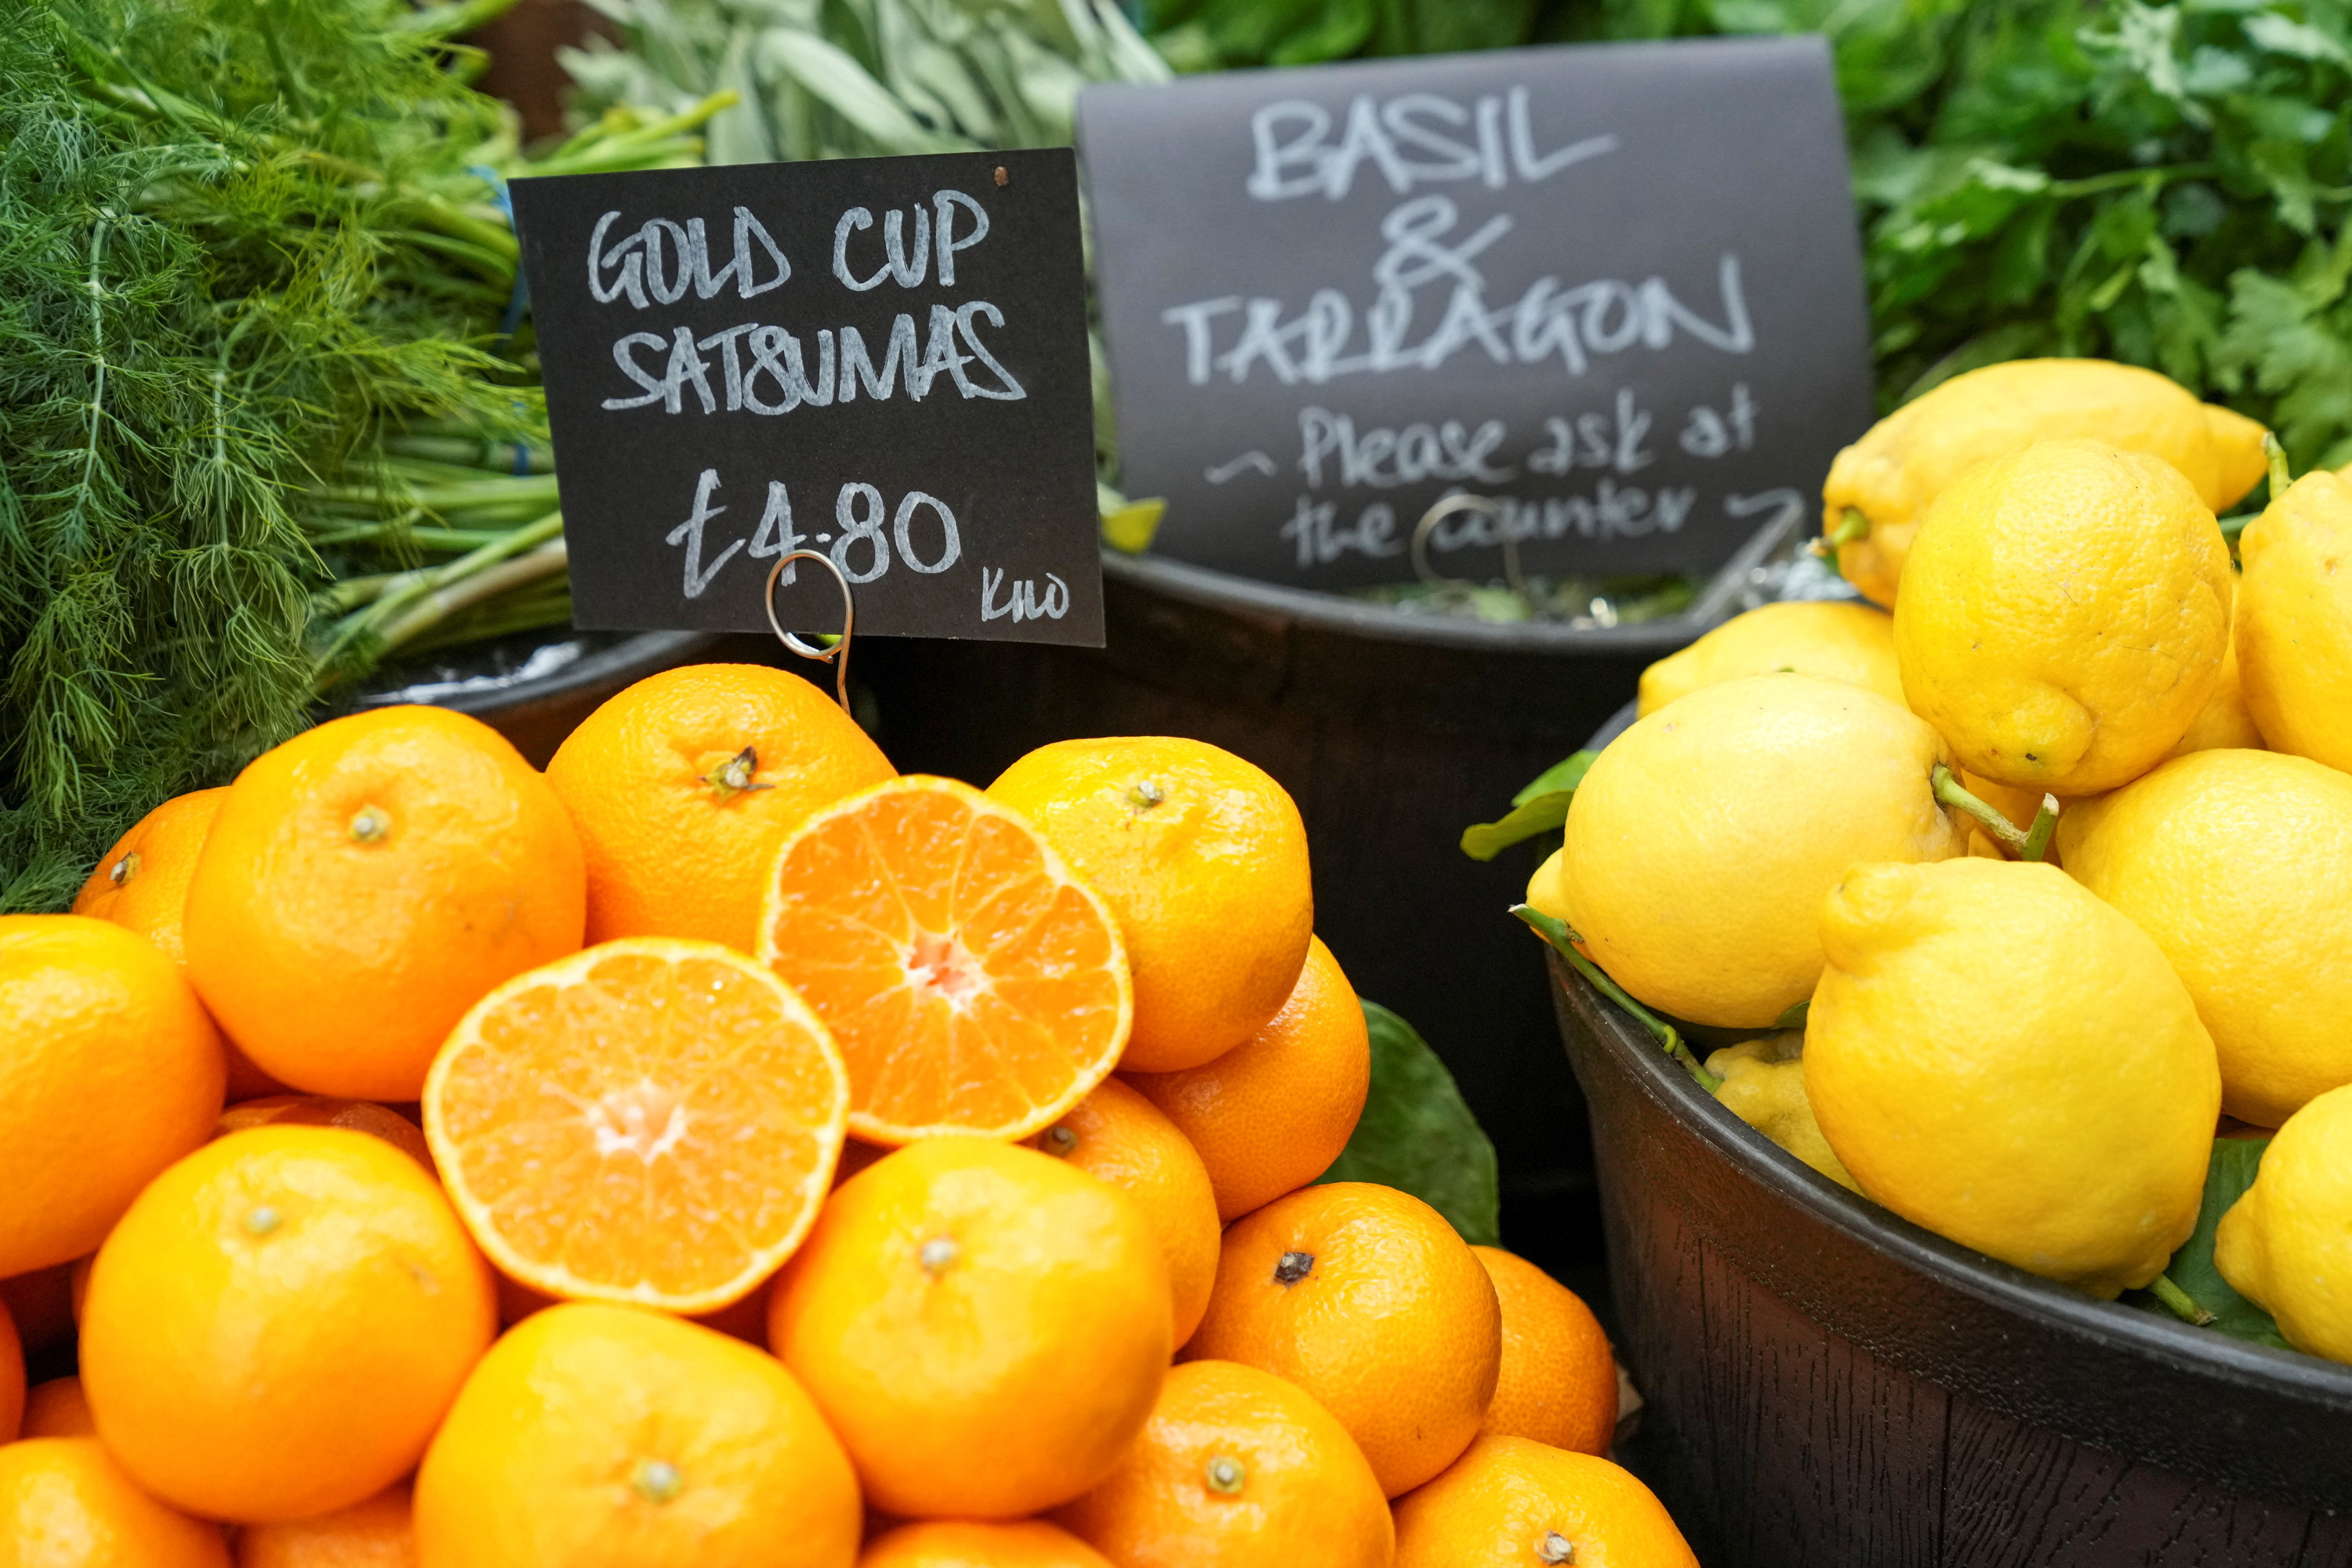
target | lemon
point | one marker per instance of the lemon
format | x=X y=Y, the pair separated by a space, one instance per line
x=1764 y=1086
x=1700 y=844
x=1895 y=473
x=1848 y=642
x=2294 y=620
x=1545 y=895
x=2064 y=617
x=2001 y=1058
x=2240 y=865
x=2286 y=1245
x=2225 y=722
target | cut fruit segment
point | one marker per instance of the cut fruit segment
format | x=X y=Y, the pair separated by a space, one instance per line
x=973 y=983
x=653 y=1120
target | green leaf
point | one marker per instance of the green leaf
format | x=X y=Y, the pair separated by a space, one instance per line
x=2231 y=1171
x=1562 y=775
x=1418 y=1136
x=1485 y=840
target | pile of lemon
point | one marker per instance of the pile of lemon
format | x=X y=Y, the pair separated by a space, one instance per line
x=2043 y=880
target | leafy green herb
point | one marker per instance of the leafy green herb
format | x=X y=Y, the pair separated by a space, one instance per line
x=1540 y=807
x=2231 y=1171
x=1417 y=1135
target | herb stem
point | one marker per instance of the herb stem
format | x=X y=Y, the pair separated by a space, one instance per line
x=2178 y=1302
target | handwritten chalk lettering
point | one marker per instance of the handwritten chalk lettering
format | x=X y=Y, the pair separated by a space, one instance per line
x=1606 y=316
x=1296 y=156
x=1024 y=603
x=660 y=260
x=1597 y=440
x=858 y=514
x=1314 y=530
x=1383 y=457
x=907 y=265
x=1708 y=434
x=1611 y=511
x=750 y=354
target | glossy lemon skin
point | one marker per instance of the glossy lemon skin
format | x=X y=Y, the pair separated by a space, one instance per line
x=2065 y=616
x=1998 y=1056
x=1837 y=641
x=2294 y=620
x=2240 y=865
x=1764 y=1086
x=1701 y=843
x=1893 y=474
x=2286 y=1245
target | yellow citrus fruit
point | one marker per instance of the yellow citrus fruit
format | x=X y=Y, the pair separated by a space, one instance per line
x=111 y=1070
x=2001 y=1058
x=2240 y=865
x=2294 y=620
x=1897 y=471
x=684 y=784
x=1704 y=838
x=1117 y=1136
x=2284 y=1246
x=972 y=1543
x=973 y=983
x=64 y=1504
x=1239 y=1469
x=365 y=884
x=1270 y=1115
x=983 y=1326
x=58 y=1409
x=651 y=1121
x=1833 y=641
x=1558 y=1380
x=2225 y=722
x=1365 y=1298
x=278 y=1324
x=2064 y=616
x=1764 y=1086
x=601 y=1437
x=377 y=1533
x=1512 y=1503
x=1203 y=858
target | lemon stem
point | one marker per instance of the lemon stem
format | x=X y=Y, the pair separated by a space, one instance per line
x=2029 y=844
x=2179 y=1302
x=2280 y=477
x=1852 y=528
x=1563 y=941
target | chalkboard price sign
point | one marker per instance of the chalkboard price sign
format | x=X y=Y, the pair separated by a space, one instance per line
x=881 y=359
x=1617 y=288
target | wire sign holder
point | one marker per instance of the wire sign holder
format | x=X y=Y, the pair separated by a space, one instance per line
x=838 y=655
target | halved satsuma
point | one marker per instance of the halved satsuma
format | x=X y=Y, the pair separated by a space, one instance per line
x=973 y=983
x=653 y=1120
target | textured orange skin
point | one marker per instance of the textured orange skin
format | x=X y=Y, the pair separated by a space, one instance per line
x=1306 y=1495
x=64 y=1504
x=110 y=1071
x=321 y=1110
x=966 y=1543
x=57 y=1409
x=1495 y=1504
x=375 y=1533
x=275 y=1375
x=538 y=1463
x=12 y=1378
x=1394 y=1328
x=1121 y=1137
x=1014 y=1376
x=667 y=856
x=1210 y=884
x=1270 y=1115
x=339 y=966
x=1557 y=1384
x=152 y=897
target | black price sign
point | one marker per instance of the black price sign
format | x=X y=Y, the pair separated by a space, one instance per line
x=1618 y=288
x=880 y=359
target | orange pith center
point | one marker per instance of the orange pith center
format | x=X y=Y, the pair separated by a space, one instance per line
x=648 y=1121
x=938 y=965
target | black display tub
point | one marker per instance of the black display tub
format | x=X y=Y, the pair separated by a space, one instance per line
x=1830 y=1386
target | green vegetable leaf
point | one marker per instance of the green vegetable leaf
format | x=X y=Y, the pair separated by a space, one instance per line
x=1418 y=1136
x=2231 y=1171
x=1540 y=807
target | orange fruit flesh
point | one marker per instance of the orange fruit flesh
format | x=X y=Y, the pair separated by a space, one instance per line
x=974 y=985
x=651 y=1121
